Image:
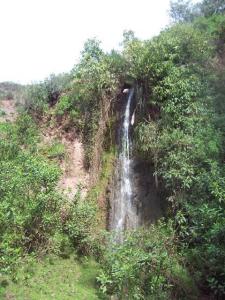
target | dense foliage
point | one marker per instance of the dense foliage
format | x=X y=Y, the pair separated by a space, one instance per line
x=179 y=128
x=33 y=216
x=146 y=265
x=27 y=189
x=182 y=136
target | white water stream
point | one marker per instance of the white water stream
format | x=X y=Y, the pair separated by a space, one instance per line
x=124 y=212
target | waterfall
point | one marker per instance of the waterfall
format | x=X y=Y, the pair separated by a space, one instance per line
x=124 y=215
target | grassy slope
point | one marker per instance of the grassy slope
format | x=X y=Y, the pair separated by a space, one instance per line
x=53 y=278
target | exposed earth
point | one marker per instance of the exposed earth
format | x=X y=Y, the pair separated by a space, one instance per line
x=7 y=110
x=74 y=175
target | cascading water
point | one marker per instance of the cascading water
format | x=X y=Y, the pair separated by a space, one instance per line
x=124 y=215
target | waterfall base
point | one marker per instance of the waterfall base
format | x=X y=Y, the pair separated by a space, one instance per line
x=145 y=198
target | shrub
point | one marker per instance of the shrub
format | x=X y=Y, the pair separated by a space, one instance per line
x=145 y=266
x=30 y=205
x=36 y=101
x=79 y=222
x=63 y=105
x=205 y=233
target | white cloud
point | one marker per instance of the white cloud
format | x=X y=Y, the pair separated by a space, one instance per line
x=39 y=37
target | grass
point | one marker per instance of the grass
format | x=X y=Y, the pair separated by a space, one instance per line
x=54 y=150
x=53 y=279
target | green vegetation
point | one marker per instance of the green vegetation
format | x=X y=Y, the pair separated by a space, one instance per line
x=53 y=278
x=182 y=137
x=54 y=150
x=146 y=265
x=99 y=192
x=11 y=91
x=186 y=11
x=178 y=78
x=79 y=223
x=29 y=201
x=2 y=113
x=34 y=217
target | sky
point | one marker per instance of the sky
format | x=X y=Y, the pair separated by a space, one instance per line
x=40 y=37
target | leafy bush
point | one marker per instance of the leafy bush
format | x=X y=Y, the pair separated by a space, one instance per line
x=207 y=250
x=145 y=266
x=63 y=105
x=179 y=129
x=41 y=95
x=185 y=11
x=30 y=205
x=37 y=99
x=26 y=132
x=79 y=222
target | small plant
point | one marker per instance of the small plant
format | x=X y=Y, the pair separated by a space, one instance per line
x=56 y=150
x=2 y=113
x=63 y=105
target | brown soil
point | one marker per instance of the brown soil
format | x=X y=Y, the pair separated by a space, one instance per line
x=74 y=175
x=8 y=107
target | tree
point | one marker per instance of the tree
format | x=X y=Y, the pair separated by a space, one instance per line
x=181 y=11
x=185 y=11
x=92 y=50
x=210 y=7
x=128 y=36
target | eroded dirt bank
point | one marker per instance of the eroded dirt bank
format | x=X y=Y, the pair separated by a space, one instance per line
x=74 y=175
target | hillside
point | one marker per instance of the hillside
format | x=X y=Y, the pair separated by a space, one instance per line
x=9 y=90
x=146 y=123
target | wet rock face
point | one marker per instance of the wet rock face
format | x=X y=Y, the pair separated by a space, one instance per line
x=145 y=194
x=145 y=197
x=112 y=195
